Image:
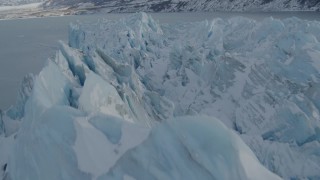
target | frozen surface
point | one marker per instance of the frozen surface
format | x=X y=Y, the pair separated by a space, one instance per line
x=190 y=148
x=102 y=140
x=5 y=148
x=130 y=99
x=98 y=96
x=263 y=83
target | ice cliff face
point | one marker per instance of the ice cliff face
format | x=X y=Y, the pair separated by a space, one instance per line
x=192 y=5
x=130 y=99
x=17 y=111
x=1 y=123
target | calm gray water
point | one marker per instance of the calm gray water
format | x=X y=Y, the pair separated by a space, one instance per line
x=26 y=44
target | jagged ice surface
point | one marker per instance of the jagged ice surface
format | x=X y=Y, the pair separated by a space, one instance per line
x=126 y=99
x=56 y=141
x=259 y=78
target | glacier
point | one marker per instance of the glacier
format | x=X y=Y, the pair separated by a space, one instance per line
x=136 y=99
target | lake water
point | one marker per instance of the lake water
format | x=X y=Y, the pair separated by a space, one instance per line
x=26 y=44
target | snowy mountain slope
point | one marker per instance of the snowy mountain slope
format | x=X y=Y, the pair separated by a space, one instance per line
x=120 y=83
x=193 y=5
x=11 y=9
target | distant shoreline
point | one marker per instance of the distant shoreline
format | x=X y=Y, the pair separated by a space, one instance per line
x=37 y=10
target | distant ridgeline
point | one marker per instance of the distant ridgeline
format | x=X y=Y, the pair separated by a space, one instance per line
x=192 y=5
x=17 y=2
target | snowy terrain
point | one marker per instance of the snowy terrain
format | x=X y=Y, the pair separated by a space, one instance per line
x=27 y=10
x=19 y=7
x=133 y=99
x=18 y=2
x=177 y=5
x=67 y=7
x=189 y=5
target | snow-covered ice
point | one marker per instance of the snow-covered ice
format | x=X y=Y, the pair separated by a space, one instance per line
x=135 y=99
x=190 y=148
